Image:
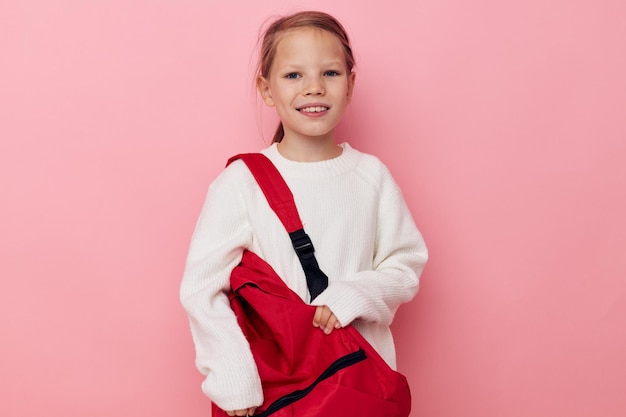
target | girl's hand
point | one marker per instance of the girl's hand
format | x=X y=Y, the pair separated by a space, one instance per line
x=325 y=320
x=242 y=413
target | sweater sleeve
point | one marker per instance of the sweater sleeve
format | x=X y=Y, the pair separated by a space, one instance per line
x=399 y=258
x=223 y=354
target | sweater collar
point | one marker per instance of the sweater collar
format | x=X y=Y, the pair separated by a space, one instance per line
x=327 y=168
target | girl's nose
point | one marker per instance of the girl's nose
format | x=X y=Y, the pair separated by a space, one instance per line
x=315 y=87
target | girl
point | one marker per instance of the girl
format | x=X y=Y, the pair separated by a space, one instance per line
x=365 y=238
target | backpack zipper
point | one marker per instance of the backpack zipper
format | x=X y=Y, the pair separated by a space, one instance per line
x=339 y=364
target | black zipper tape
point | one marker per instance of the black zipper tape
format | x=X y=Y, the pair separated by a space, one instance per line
x=339 y=364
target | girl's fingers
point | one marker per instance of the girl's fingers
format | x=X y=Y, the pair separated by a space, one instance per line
x=322 y=313
x=332 y=324
x=325 y=319
x=317 y=316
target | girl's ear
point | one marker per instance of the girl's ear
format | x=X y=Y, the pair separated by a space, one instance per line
x=263 y=85
x=351 y=79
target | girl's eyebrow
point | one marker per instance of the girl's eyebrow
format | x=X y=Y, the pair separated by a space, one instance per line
x=291 y=66
x=297 y=67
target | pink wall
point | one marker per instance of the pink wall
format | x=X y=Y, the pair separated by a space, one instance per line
x=503 y=121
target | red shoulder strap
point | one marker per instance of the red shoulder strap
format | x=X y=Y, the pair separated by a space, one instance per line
x=281 y=200
x=274 y=187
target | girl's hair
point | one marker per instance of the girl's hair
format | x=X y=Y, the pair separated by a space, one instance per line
x=306 y=19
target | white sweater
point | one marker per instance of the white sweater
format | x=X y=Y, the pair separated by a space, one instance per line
x=365 y=241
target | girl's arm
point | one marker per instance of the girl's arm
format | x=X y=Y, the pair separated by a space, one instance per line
x=399 y=258
x=222 y=353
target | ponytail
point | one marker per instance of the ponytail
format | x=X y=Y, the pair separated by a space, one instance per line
x=279 y=134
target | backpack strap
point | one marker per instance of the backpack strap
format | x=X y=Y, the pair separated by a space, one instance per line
x=281 y=200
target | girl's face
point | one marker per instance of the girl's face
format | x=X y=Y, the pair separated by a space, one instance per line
x=309 y=83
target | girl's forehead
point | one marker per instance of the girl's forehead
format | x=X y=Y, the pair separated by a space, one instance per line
x=302 y=40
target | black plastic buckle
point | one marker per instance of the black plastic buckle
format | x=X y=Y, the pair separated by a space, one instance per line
x=301 y=243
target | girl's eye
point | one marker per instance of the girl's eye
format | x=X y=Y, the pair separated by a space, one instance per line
x=292 y=75
x=331 y=73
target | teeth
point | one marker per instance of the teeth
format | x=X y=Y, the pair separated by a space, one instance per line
x=316 y=109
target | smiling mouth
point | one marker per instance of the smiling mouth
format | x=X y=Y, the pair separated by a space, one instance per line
x=313 y=109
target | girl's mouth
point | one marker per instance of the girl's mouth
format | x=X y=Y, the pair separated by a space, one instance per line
x=313 y=109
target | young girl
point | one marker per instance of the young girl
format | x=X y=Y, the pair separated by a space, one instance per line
x=365 y=238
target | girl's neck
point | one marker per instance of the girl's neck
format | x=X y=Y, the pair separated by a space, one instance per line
x=309 y=150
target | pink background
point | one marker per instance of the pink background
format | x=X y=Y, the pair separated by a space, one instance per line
x=503 y=121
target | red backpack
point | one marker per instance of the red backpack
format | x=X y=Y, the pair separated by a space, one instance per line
x=305 y=372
